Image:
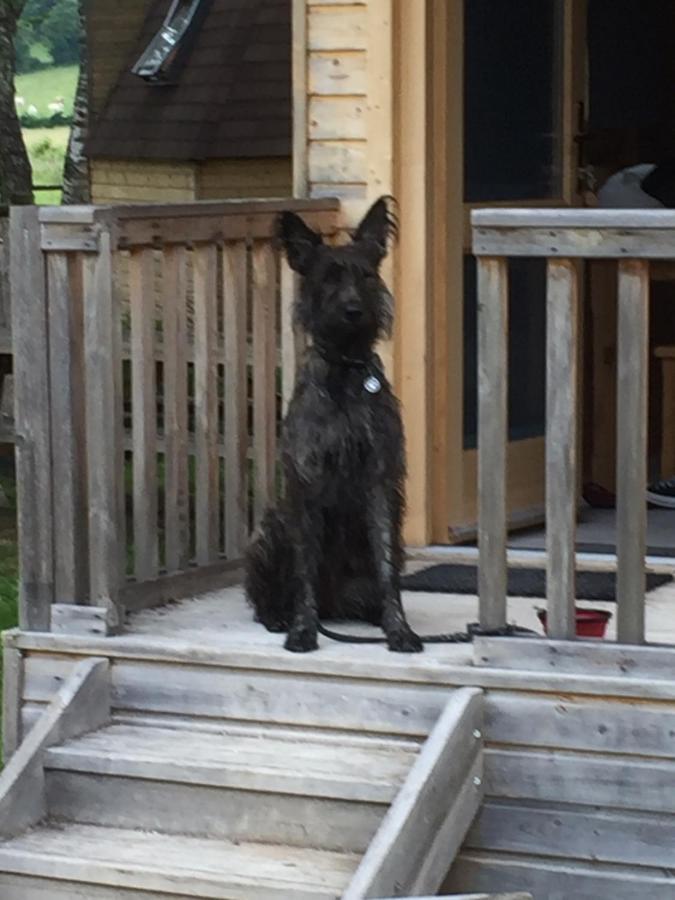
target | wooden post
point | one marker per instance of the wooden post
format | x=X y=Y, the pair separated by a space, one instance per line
x=102 y=360
x=67 y=386
x=561 y=441
x=32 y=420
x=12 y=695
x=631 y=471
x=492 y=438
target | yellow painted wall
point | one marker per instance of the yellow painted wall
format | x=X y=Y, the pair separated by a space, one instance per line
x=118 y=181
x=224 y=179
x=336 y=82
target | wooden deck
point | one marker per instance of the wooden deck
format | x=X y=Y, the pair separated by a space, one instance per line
x=583 y=797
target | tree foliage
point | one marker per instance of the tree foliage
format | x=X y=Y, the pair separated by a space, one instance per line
x=53 y=25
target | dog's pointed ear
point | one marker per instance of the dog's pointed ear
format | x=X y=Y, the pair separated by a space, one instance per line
x=378 y=228
x=298 y=240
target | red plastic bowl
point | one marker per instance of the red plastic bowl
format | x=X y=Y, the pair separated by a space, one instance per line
x=590 y=622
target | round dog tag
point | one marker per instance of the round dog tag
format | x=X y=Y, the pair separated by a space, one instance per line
x=372 y=384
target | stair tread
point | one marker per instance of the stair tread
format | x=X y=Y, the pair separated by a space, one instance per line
x=261 y=761
x=151 y=861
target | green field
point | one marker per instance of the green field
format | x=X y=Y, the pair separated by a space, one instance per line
x=41 y=88
x=47 y=146
x=47 y=149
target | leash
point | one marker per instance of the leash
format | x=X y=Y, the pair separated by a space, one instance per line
x=473 y=630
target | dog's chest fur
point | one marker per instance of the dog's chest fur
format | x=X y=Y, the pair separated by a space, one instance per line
x=336 y=429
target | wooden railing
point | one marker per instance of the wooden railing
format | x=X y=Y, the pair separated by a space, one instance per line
x=563 y=237
x=154 y=349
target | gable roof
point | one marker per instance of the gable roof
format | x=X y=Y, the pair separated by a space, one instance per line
x=230 y=99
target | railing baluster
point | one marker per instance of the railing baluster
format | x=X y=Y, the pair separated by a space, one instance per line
x=631 y=510
x=236 y=389
x=264 y=375
x=101 y=364
x=144 y=413
x=206 y=404
x=492 y=438
x=292 y=340
x=561 y=445
x=176 y=498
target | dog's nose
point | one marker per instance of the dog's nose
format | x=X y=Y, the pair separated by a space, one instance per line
x=353 y=313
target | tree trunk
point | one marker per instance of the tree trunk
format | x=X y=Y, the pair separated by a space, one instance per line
x=15 y=172
x=76 y=187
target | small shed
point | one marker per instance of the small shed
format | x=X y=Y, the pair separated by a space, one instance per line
x=216 y=126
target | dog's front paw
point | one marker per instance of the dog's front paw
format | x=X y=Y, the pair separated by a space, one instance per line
x=302 y=640
x=405 y=641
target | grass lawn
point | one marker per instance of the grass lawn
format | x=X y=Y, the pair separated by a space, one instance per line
x=47 y=149
x=41 y=88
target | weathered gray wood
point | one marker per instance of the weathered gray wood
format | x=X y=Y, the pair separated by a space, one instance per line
x=189 y=582
x=160 y=863
x=235 y=300
x=264 y=376
x=575 y=723
x=574 y=243
x=556 y=878
x=519 y=896
x=562 y=307
x=206 y=404
x=69 y=618
x=32 y=420
x=592 y=219
x=287 y=700
x=574 y=832
x=175 y=807
x=631 y=471
x=19 y=887
x=569 y=777
x=67 y=386
x=427 y=822
x=144 y=412
x=591 y=658
x=261 y=761
x=492 y=439
x=102 y=379
x=12 y=692
x=292 y=340
x=83 y=703
x=177 y=498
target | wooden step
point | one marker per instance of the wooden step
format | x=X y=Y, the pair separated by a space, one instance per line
x=54 y=858
x=290 y=788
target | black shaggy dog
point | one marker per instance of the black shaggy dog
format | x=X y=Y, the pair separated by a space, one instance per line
x=332 y=549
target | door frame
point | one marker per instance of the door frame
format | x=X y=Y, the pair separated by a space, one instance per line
x=428 y=182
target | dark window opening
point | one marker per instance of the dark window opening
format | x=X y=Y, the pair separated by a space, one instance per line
x=160 y=58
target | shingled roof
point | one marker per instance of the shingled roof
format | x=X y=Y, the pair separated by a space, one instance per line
x=230 y=99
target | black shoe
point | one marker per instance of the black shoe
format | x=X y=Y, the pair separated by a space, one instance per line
x=662 y=493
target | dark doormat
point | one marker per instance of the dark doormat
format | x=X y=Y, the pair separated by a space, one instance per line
x=463 y=579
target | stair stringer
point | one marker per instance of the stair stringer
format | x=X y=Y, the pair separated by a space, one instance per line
x=425 y=826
